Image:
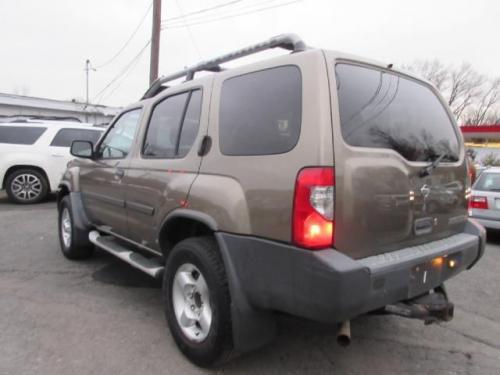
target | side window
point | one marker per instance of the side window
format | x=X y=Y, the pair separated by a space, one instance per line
x=173 y=126
x=260 y=112
x=191 y=124
x=65 y=137
x=20 y=135
x=118 y=141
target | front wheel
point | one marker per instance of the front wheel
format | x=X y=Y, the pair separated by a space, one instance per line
x=68 y=233
x=197 y=301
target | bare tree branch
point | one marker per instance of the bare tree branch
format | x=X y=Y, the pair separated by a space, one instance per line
x=474 y=99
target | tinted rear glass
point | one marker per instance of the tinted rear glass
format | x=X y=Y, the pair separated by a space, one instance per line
x=488 y=182
x=65 y=137
x=260 y=112
x=384 y=110
x=20 y=135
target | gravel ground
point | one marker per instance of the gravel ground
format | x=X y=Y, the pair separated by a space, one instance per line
x=102 y=317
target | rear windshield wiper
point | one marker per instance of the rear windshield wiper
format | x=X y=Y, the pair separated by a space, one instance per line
x=428 y=169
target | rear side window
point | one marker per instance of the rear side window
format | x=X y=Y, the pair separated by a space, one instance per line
x=20 y=135
x=384 y=110
x=173 y=126
x=191 y=124
x=260 y=112
x=65 y=137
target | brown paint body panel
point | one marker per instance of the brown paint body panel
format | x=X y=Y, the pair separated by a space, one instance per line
x=253 y=195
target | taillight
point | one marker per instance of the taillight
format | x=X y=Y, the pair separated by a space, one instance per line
x=478 y=202
x=313 y=209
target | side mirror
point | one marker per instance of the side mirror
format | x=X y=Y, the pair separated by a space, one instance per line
x=82 y=149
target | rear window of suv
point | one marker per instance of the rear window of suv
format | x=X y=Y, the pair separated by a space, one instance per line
x=260 y=112
x=385 y=110
x=20 y=135
x=65 y=137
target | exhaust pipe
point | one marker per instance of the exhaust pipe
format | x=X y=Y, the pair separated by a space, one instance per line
x=344 y=333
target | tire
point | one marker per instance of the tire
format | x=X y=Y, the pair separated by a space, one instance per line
x=26 y=186
x=195 y=276
x=68 y=233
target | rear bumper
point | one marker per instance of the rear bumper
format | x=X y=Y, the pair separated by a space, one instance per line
x=487 y=223
x=327 y=285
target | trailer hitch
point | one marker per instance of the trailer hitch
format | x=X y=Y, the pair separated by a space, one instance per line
x=430 y=308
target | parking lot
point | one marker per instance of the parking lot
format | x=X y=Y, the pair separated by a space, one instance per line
x=102 y=317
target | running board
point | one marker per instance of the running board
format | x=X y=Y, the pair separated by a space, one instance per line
x=113 y=246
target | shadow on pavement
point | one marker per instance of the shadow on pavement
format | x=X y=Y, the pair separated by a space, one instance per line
x=4 y=200
x=119 y=273
x=493 y=236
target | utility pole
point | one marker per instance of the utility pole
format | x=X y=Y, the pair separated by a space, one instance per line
x=155 y=41
x=88 y=68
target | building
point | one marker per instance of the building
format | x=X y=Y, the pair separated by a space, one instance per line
x=19 y=106
x=481 y=134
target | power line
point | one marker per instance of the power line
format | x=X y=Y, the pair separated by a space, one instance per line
x=128 y=40
x=132 y=67
x=123 y=71
x=204 y=10
x=191 y=36
x=235 y=8
x=231 y=16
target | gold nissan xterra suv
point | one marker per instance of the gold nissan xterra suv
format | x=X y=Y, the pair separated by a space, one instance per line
x=314 y=183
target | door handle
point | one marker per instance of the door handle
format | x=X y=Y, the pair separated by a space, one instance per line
x=57 y=155
x=205 y=145
x=119 y=173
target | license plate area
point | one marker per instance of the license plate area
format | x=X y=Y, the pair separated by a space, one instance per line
x=432 y=273
x=497 y=203
x=424 y=277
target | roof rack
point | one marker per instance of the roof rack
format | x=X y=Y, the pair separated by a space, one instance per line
x=290 y=42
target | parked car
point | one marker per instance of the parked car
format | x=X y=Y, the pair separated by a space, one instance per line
x=34 y=155
x=484 y=203
x=298 y=184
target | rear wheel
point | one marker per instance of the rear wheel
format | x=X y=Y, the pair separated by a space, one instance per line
x=26 y=186
x=197 y=301
x=68 y=233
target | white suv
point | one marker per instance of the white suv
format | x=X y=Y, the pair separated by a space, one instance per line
x=33 y=156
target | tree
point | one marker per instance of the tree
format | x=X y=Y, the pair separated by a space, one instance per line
x=474 y=98
x=490 y=160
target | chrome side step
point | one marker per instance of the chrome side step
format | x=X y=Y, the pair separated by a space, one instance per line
x=108 y=243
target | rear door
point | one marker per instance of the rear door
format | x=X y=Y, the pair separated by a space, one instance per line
x=166 y=161
x=387 y=128
x=101 y=178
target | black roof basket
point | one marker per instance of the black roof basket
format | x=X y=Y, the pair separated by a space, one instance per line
x=286 y=41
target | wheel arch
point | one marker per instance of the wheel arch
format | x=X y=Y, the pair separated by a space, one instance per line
x=63 y=190
x=181 y=224
x=17 y=167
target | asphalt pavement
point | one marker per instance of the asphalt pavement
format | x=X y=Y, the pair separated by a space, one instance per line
x=100 y=316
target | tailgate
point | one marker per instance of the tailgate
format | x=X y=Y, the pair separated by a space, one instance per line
x=392 y=127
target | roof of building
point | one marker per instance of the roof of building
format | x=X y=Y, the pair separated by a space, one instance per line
x=52 y=124
x=61 y=105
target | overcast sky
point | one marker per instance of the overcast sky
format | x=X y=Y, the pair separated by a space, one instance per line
x=45 y=43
